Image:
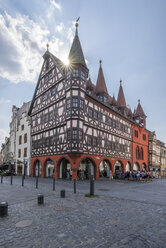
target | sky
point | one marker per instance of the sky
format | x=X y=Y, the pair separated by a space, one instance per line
x=129 y=36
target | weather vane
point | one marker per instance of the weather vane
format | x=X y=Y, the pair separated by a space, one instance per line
x=76 y=24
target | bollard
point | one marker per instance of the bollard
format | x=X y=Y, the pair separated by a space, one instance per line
x=91 y=185
x=62 y=193
x=74 y=186
x=36 y=182
x=22 y=180
x=11 y=179
x=3 y=209
x=1 y=179
x=54 y=183
x=40 y=199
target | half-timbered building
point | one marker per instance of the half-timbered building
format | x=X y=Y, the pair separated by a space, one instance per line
x=77 y=128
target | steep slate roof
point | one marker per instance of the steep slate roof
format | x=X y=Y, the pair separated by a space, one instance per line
x=60 y=66
x=129 y=112
x=121 y=99
x=24 y=109
x=100 y=85
x=76 y=55
x=90 y=84
x=139 y=110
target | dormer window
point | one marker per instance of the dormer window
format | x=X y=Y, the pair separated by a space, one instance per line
x=102 y=98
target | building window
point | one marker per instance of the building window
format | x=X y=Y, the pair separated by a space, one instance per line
x=95 y=141
x=141 y=154
x=75 y=103
x=19 y=153
x=20 y=140
x=80 y=134
x=46 y=79
x=51 y=141
x=50 y=75
x=68 y=103
x=25 y=152
x=75 y=73
x=136 y=133
x=69 y=135
x=22 y=127
x=25 y=138
x=47 y=142
x=113 y=123
x=74 y=134
x=101 y=117
x=89 y=140
x=82 y=75
x=137 y=152
x=81 y=104
x=144 y=136
x=45 y=97
x=95 y=115
x=53 y=92
x=90 y=113
x=51 y=116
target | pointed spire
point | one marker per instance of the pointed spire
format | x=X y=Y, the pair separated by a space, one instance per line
x=139 y=111
x=47 y=45
x=121 y=99
x=76 y=55
x=113 y=100
x=101 y=85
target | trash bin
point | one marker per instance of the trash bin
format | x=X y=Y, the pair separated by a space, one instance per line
x=3 y=209
x=40 y=199
x=62 y=193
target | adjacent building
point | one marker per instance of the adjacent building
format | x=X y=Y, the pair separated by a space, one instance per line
x=19 y=141
x=78 y=128
x=157 y=155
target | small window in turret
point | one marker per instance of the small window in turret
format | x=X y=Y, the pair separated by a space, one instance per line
x=68 y=74
x=82 y=75
x=75 y=73
x=75 y=103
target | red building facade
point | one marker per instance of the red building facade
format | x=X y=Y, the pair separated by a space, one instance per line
x=77 y=128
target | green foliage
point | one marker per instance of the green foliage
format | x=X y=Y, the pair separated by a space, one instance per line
x=91 y=196
x=3 y=173
x=115 y=177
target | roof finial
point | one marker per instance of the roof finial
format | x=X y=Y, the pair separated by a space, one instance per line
x=138 y=100
x=47 y=45
x=76 y=24
x=100 y=61
x=120 y=81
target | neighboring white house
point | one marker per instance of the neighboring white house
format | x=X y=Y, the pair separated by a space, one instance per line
x=20 y=129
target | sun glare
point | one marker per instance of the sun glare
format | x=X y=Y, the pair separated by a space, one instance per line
x=66 y=61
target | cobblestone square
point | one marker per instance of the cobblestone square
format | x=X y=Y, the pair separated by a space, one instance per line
x=125 y=214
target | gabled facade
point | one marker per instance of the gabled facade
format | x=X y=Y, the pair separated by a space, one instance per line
x=77 y=128
x=19 y=139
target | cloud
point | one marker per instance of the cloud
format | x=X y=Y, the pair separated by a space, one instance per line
x=55 y=4
x=3 y=100
x=23 y=42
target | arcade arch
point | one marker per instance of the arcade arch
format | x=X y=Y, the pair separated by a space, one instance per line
x=144 y=167
x=118 y=168
x=37 y=168
x=105 y=169
x=135 y=167
x=128 y=167
x=49 y=167
x=65 y=171
x=86 y=169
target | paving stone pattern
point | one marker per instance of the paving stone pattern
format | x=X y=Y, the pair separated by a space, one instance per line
x=125 y=214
